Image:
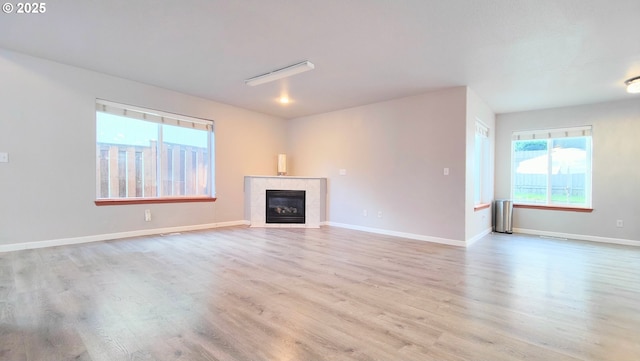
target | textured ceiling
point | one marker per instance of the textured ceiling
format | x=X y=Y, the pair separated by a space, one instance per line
x=516 y=54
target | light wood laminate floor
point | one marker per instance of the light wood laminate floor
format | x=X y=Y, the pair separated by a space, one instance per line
x=320 y=294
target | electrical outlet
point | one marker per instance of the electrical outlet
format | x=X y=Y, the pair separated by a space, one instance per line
x=4 y=157
x=446 y=171
x=342 y=172
x=619 y=223
x=365 y=213
x=147 y=215
x=379 y=214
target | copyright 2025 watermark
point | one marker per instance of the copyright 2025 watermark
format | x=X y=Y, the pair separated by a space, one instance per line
x=24 y=8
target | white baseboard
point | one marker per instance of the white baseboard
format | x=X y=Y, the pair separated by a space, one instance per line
x=154 y=231
x=418 y=237
x=478 y=236
x=582 y=237
x=111 y=236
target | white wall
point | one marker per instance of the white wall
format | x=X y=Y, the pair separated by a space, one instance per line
x=394 y=153
x=478 y=223
x=616 y=170
x=47 y=125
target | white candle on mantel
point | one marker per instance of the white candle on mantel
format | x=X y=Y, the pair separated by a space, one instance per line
x=282 y=164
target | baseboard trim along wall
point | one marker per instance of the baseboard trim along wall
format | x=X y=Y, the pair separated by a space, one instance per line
x=581 y=237
x=112 y=236
x=155 y=231
x=478 y=236
x=419 y=237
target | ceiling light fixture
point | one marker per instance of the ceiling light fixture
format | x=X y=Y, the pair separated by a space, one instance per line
x=280 y=73
x=633 y=85
x=284 y=99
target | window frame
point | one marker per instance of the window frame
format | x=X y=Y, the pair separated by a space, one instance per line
x=481 y=159
x=160 y=118
x=549 y=135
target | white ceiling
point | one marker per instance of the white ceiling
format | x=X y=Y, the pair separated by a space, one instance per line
x=516 y=54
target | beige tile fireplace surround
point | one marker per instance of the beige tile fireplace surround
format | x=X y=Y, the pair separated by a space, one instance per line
x=255 y=189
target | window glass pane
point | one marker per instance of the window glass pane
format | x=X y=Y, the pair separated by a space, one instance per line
x=135 y=156
x=531 y=164
x=481 y=167
x=568 y=171
x=125 y=145
x=103 y=171
x=113 y=129
x=122 y=172
x=139 y=174
x=477 y=169
x=187 y=165
x=554 y=171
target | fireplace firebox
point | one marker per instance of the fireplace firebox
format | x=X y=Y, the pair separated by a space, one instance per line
x=285 y=206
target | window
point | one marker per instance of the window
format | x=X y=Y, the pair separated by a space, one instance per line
x=552 y=167
x=147 y=154
x=481 y=164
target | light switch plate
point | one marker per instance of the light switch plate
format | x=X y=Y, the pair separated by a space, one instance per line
x=4 y=157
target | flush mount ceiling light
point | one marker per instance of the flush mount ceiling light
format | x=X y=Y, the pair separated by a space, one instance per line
x=284 y=99
x=280 y=73
x=633 y=85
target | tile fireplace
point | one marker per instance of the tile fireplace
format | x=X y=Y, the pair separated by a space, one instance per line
x=285 y=201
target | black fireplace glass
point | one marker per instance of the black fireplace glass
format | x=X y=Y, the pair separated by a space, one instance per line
x=285 y=206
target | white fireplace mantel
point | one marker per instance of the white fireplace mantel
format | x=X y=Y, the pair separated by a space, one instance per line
x=255 y=191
